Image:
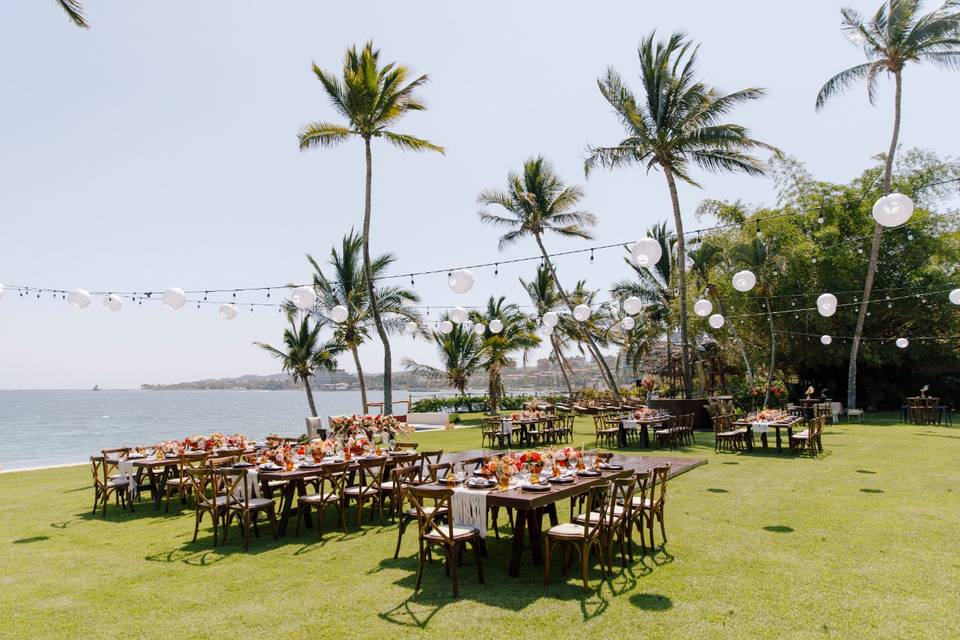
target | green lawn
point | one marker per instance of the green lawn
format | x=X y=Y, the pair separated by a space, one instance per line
x=860 y=543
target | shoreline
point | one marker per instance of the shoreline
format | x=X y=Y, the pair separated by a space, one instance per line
x=41 y=468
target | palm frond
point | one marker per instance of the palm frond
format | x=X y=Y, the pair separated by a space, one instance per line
x=74 y=11
x=322 y=134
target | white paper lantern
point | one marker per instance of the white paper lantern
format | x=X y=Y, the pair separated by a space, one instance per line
x=955 y=296
x=646 y=252
x=79 y=298
x=628 y=323
x=825 y=340
x=744 y=281
x=892 y=210
x=460 y=281
x=113 y=303
x=479 y=329
x=339 y=313
x=458 y=315
x=304 y=298
x=632 y=305
x=174 y=298
x=827 y=304
x=716 y=320
x=903 y=343
x=227 y=311
x=550 y=318
x=446 y=327
x=412 y=327
x=496 y=325
x=581 y=312
x=703 y=307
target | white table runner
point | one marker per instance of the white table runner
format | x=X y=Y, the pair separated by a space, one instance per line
x=470 y=509
x=629 y=424
x=127 y=474
x=760 y=427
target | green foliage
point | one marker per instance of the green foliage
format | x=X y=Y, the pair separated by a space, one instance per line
x=475 y=404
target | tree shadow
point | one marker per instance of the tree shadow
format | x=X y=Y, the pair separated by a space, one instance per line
x=651 y=601
x=33 y=539
x=716 y=490
x=778 y=528
x=730 y=462
x=867 y=471
x=872 y=490
x=61 y=525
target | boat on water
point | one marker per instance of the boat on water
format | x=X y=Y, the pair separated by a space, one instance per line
x=96 y=387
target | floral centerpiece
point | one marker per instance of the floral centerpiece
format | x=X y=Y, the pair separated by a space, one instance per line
x=371 y=428
x=644 y=412
x=526 y=415
x=768 y=415
x=318 y=447
x=565 y=456
x=809 y=392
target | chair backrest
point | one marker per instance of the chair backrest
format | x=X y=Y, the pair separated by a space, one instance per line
x=235 y=483
x=598 y=500
x=98 y=465
x=622 y=496
x=428 y=458
x=441 y=510
x=718 y=424
x=477 y=462
x=658 y=487
x=335 y=475
x=219 y=461
x=201 y=478
x=117 y=453
x=193 y=459
x=407 y=445
x=435 y=470
x=371 y=471
x=402 y=478
x=405 y=459
x=644 y=484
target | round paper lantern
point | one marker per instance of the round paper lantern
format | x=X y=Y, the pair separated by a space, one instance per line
x=646 y=252
x=496 y=325
x=632 y=305
x=903 y=343
x=825 y=339
x=744 y=281
x=458 y=315
x=581 y=312
x=479 y=329
x=716 y=320
x=628 y=323
x=460 y=281
x=703 y=308
x=227 y=311
x=827 y=304
x=955 y=296
x=79 y=298
x=174 y=298
x=412 y=327
x=304 y=298
x=446 y=327
x=113 y=303
x=339 y=313
x=550 y=318
x=892 y=210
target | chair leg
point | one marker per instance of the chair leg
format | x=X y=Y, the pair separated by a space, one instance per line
x=478 y=556
x=196 y=523
x=585 y=565
x=452 y=564
x=404 y=520
x=663 y=532
x=420 y=569
x=272 y=515
x=547 y=554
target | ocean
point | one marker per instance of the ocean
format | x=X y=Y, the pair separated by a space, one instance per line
x=41 y=428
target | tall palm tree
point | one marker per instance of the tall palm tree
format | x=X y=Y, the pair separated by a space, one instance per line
x=655 y=286
x=517 y=335
x=304 y=353
x=537 y=202
x=677 y=123
x=370 y=98
x=74 y=11
x=542 y=291
x=895 y=35
x=347 y=286
x=462 y=353
x=706 y=257
x=756 y=257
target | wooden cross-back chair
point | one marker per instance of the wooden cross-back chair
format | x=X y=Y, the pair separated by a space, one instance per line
x=330 y=493
x=105 y=484
x=368 y=489
x=403 y=479
x=411 y=446
x=206 y=480
x=651 y=506
x=437 y=529
x=615 y=520
x=810 y=438
x=582 y=538
x=243 y=504
x=428 y=458
x=179 y=484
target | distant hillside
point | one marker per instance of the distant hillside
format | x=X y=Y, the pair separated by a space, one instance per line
x=273 y=382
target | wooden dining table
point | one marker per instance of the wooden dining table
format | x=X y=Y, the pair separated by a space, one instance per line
x=643 y=424
x=787 y=423
x=531 y=506
x=157 y=469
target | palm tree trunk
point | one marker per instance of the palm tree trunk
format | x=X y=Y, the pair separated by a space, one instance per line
x=363 y=382
x=563 y=369
x=682 y=270
x=493 y=389
x=874 y=252
x=773 y=353
x=601 y=363
x=737 y=340
x=368 y=272
x=313 y=407
x=670 y=357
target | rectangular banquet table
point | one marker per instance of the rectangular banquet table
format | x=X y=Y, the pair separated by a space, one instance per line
x=643 y=424
x=531 y=506
x=787 y=423
x=157 y=469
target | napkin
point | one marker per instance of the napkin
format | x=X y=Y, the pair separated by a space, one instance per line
x=470 y=509
x=125 y=470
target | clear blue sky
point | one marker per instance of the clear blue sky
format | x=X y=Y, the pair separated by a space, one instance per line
x=159 y=149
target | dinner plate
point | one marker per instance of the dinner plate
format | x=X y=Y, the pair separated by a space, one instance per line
x=271 y=467
x=535 y=487
x=136 y=456
x=241 y=465
x=588 y=473
x=611 y=467
x=561 y=480
x=481 y=484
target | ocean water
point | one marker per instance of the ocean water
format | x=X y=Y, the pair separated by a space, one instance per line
x=40 y=428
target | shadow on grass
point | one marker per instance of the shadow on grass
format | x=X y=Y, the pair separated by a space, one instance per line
x=938 y=435
x=651 y=602
x=33 y=539
x=716 y=490
x=867 y=471
x=730 y=462
x=778 y=528
x=872 y=490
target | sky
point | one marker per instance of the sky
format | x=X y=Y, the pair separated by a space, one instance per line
x=159 y=149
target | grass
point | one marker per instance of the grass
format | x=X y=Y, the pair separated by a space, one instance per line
x=858 y=543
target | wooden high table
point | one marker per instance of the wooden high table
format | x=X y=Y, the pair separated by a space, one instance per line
x=531 y=506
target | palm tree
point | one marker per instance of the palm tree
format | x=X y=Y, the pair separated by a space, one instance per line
x=538 y=202
x=304 y=353
x=706 y=258
x=347 y=286
x=462 y=353
x=756 y=257
x=517 y=335
x=74 y=11
x=542 y=291
x=370 y=98
x=655 y=286
x=677 y=124
x=895 y=35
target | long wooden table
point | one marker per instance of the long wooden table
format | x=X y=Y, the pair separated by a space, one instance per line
x=787 y=423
